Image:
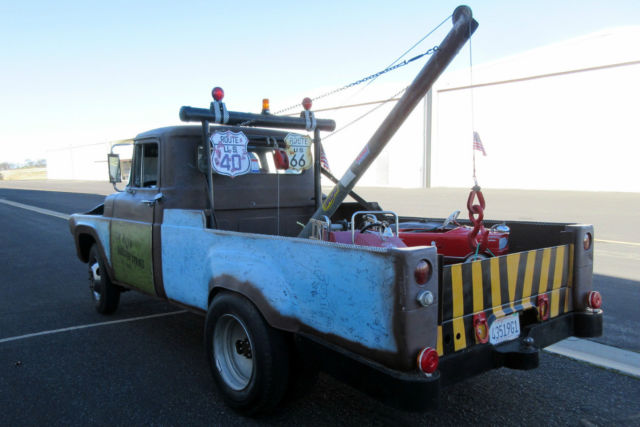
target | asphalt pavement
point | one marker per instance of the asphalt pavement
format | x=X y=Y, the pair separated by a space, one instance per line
x=61 y=364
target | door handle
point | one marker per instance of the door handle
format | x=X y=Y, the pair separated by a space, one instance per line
x=153 y=201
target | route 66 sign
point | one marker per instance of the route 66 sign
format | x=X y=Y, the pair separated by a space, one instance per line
x=229 y=154
x=298 y=151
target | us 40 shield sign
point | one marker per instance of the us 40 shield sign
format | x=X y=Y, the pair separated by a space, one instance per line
x=229 y=154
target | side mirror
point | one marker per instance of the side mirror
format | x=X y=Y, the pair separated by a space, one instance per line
x=114 y=168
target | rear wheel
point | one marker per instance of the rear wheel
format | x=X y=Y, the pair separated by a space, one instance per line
x=106 y=295
x=249 y=360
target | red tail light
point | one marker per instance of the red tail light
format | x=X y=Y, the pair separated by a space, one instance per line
x=428 y=360
x=481 y=328
x=422 y=272
x=586 y=241
x=595 y=300
x=543 y=307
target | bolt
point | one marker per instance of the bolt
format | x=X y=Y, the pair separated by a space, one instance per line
x=425 y=298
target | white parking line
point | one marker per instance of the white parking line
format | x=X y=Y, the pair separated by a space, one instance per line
x=35 y=209
x=605 y=356
x=617 y=242
x=91 y=325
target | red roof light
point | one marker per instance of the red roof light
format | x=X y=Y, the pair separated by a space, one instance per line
x=306 y=103
x=217 y=93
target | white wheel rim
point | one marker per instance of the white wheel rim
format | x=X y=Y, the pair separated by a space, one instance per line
x=233 y=352
x=94 y=277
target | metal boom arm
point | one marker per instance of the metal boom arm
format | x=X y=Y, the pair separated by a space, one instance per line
x=463 y=26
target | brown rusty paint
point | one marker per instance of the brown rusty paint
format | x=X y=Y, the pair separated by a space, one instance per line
x=399 y=360
x=157 y=259
x=251 y=210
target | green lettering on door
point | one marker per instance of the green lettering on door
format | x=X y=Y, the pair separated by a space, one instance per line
x=131 y=254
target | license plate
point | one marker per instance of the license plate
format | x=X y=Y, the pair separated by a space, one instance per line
x=504 y=329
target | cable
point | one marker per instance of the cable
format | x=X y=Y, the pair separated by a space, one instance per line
x=365 y=114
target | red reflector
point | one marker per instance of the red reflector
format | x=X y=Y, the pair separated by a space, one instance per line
x=306 y=103
x=595 y=299
x=543 y=307
x=280 y=159
x=428 y=360
x=217 y=93
x=422 y=272
x=481 y=328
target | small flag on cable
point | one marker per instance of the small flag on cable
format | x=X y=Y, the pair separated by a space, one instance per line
x=477 y=143
x=324 y=162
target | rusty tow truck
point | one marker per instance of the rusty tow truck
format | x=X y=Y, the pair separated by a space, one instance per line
x=228 y=219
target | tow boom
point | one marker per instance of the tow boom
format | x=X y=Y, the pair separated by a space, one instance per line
x=463 y=27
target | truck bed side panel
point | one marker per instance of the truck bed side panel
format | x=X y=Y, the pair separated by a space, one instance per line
x=335 y=290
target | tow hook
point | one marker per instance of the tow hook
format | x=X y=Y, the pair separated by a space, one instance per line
x=519 y=354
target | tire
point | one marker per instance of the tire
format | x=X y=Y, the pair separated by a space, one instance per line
x=106 y=295
x=249 y=360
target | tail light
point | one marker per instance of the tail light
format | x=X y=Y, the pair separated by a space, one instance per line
x=543 y=307
x=428 y=361
x=587 y=240
x=481 y=328
x=594 y=300
x=422 y=272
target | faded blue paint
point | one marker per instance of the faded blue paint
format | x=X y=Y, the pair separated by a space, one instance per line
x=101 y=225
x=346 y=291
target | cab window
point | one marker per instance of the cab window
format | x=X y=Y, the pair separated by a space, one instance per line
x=144 y=171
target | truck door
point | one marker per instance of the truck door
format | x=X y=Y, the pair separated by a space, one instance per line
x=133 y=218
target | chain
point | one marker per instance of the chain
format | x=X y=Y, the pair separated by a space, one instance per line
x=356 y=83
x=366 y=79
x=393 y=66
x=410 y=49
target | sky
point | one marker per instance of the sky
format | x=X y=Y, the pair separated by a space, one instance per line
x=84 y=72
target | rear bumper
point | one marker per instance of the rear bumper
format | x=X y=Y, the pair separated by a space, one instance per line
x=413 y=391
x=522 y=353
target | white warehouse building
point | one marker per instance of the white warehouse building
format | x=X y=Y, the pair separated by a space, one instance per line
x=560 y=117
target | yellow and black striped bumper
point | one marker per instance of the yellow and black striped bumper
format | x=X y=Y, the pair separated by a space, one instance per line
x=499 y=286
